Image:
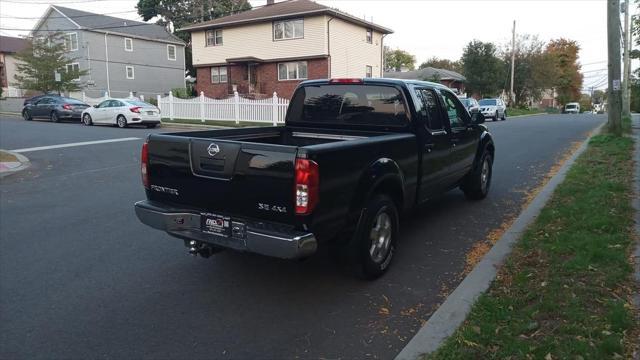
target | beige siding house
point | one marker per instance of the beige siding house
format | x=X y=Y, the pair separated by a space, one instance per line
x=274 y=47
x=9 y=46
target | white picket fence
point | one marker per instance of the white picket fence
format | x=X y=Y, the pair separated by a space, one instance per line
x=96 y=101
x=234 y=109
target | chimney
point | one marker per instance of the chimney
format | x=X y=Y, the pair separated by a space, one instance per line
x=270 y=2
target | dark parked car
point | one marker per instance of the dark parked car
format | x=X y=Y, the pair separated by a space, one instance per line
x=54 y=108
x=34 y=99
x=353 y=156
x=471 y=104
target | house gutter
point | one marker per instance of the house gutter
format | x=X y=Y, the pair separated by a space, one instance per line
x=382 y=55
x=106 y=56
x=329 y=47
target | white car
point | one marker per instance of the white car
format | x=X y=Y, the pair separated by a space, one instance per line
x=493 y=108
x=122 y=112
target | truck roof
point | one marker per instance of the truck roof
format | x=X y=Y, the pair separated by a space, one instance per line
x=386 y=81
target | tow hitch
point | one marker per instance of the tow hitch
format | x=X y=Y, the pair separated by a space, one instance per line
x=200 y=248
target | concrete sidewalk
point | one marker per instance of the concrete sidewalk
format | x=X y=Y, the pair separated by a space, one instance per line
x=11 y=163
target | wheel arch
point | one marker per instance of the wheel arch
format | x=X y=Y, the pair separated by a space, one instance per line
x=382 y=176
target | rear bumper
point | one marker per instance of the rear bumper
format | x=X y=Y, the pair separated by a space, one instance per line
x=261 y=238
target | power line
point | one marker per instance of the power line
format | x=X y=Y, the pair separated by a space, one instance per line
x=64 y=17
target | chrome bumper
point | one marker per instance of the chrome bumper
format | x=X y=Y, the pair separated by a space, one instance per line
x=261 y=238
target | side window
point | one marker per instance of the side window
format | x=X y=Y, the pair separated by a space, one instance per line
x=430 y=109
x=454 y=109
x=104 y=104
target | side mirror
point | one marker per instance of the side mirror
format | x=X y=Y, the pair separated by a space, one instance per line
x=477 y=118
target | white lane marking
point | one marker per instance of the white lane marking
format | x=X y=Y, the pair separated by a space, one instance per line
x=74 y=144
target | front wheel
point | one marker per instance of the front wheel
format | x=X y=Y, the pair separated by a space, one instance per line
x=86 y=120
x=477 y=183
x=121 y=121
x=27 y=115
x=504 y=115
x=374 y=242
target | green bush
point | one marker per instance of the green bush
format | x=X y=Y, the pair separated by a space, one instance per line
x=152 y=101
x=182 y=93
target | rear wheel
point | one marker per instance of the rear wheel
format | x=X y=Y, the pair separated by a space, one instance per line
x=121 y=121
x=27 y=115
x=86 y=120
x=54 y=117
x=373 y=245
x=477 y=183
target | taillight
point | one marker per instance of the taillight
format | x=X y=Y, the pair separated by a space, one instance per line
x=306 y=187
x=135 y=109
x=144 y=165
x=67 y=107
x=345 y=81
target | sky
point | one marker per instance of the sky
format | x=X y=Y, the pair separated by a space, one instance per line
x=424 y=28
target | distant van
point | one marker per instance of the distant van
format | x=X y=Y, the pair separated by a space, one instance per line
x=572 y=108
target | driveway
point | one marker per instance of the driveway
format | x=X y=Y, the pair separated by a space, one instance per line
x=80 y=277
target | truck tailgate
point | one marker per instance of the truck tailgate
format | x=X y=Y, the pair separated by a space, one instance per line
x=223 y=177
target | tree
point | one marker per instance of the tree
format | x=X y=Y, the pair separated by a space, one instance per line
x=176 y=14
x=534 y=69
x=568 y=79
x=395 y=60
x=599 y=96
x=484 y=71
x=438 y=63
x=41 y=60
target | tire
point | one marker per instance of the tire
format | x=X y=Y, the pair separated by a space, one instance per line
x=54 y=117
x=478 y=182
x=374 y=242
x=504 y=115
x=86 y=120
x=121 y=121
x=26 y=115
x=151 y=126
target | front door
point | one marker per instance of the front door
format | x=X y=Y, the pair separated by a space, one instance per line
x=435 y=145
x=253 y=78
x=464 y=143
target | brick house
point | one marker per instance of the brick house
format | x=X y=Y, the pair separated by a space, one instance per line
x=272 y=48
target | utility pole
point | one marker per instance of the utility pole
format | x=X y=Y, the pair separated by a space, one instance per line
x=513 y=61
x=626 y=93
x=613 y=46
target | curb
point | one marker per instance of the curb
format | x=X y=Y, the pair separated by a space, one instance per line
x=24 y=163
x=10 y=113
x=450 y=315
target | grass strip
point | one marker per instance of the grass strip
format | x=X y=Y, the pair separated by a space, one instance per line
x=7 y=157
x=518 y=112
x=215 y=122
x=564 y=293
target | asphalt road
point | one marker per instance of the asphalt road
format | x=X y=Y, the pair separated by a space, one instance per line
x=80 y=277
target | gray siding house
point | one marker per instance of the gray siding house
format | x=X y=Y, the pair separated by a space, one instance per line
x=121 y=56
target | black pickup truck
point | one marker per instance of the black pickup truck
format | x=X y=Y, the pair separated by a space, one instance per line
x=353 y=156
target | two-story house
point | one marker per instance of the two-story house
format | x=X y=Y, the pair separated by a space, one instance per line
x=121 y=56
x=272 y=48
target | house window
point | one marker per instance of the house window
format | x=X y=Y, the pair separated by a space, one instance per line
x=128 y=44
x=171 y=52
x=369 y=36
x=73 y=68
x=218 y=74
x=292 y=70
x=214 y=37
x=71 y=41
x=289 y=29
x=369 y=71
x=130 y=72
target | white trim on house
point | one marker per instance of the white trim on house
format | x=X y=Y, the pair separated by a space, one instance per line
x=130 y=48
x=297 y=70
x=46 y=15
x=175 y=53
x=133 y=73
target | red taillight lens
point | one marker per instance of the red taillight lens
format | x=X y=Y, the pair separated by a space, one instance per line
x=144 y=165
x=307 y=185
x=345 y=81
x=67 y=107
x=135 y=109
